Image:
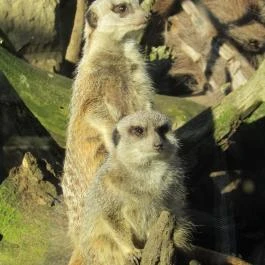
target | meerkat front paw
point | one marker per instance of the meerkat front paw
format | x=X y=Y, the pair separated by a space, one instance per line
x=134 y=257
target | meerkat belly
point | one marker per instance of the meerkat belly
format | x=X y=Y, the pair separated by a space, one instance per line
x=141 y=218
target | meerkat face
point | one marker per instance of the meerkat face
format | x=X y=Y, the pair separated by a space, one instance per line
x=119 y=18
x=144 y=136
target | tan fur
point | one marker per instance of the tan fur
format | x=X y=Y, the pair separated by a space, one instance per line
x=111 y=82
x=141 y=177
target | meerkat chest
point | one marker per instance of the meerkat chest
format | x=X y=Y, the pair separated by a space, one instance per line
x=141 y=215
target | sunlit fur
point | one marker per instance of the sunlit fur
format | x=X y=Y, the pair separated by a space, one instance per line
x=111 y=82
x=131 y=189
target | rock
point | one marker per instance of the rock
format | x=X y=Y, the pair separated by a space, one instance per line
x=31 y=184
x=36 y=30
x=33 y=223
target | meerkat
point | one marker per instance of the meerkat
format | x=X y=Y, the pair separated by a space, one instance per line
x=141 y=177
x=111 y=82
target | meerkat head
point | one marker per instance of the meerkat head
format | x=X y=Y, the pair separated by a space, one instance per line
x=117 y=18
x=143 y=137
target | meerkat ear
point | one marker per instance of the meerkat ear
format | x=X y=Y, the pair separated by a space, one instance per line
x=116 y=137
x=92 y=18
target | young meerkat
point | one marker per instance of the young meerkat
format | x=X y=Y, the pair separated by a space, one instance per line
x=111 y=82
x=141 y=177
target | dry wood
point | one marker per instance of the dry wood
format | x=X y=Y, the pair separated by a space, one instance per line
x=74 y=46
x=239 y=68
x=217 y=124
x=160 y=249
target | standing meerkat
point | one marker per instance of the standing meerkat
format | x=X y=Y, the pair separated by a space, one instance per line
x=111 y=82
x=141 y=177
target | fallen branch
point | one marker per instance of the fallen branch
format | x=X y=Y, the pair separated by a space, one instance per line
x=47 y=95
x=217 y=124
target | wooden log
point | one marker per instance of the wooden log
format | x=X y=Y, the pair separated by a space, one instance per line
x=239 y=68
x=47 y=95
x=160 y=248
x=220 y=122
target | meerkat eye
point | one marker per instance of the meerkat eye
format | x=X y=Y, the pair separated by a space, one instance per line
x=254 y=43
x=162 y=130
x=137 y=130
x=120 y=9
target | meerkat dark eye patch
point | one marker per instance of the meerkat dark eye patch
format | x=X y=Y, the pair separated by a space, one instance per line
x=116 y=137
x=136 y=130
x=92 y=19
x=122 y=9
x=255 y=44
x=162 y=130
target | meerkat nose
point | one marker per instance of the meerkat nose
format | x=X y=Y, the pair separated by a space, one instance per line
x=158 y=146
x=147 y=16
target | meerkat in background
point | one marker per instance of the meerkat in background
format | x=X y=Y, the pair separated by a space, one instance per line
x=141 y=177
x=111 y=82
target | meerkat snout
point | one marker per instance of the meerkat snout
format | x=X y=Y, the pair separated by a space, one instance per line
x=158 y=146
